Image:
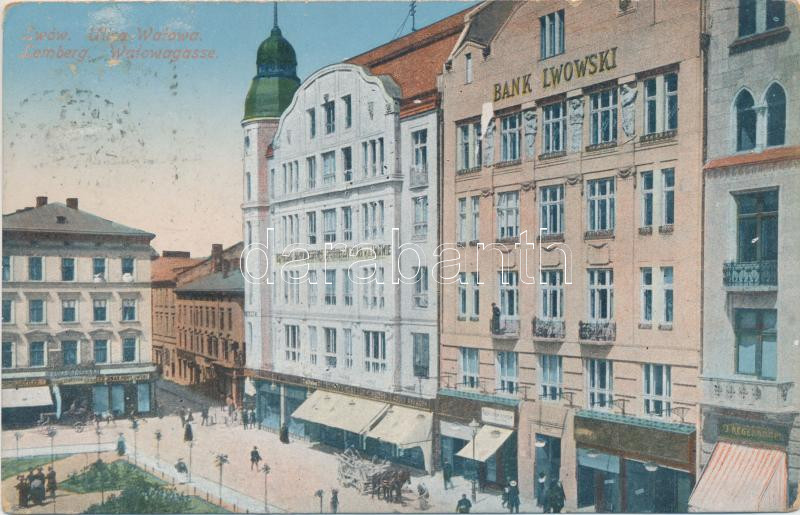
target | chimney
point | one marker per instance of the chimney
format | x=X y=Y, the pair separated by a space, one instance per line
x=216 y=257
x=226 y=268
x=72 y=203
x=41 y=201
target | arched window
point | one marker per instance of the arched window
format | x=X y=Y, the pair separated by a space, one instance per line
x=745 y=122
x=776 y=115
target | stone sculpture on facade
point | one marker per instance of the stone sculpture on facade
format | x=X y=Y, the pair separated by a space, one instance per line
x=628 y=93
x=530 y=132
x=575 y=122
x=488 y=144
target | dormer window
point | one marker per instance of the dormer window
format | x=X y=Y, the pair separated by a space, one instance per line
x=61 y=219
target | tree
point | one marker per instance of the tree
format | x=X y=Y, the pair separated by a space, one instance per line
x=140 y=496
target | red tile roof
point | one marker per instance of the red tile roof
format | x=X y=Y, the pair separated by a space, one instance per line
x=165 y=269
x=768 y=156
x=415 y=60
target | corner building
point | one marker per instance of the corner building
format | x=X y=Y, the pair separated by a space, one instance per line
x=575 y=127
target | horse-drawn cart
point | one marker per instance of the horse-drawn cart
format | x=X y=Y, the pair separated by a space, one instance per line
x=358 y=472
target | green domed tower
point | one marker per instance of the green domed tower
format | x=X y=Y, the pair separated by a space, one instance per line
x=276 y=77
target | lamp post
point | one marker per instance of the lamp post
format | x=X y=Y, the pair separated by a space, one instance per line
x=51 y=433
x=98 y=432
x=220 y=461
x=158 y=445
x=191 y=444
x=474 y=426
x=18 y=437
x=265 y=469
x=135 y=428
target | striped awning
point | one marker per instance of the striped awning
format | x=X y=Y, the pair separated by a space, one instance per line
x=741 y=478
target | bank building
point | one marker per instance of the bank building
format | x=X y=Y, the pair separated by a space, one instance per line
x=348 y=355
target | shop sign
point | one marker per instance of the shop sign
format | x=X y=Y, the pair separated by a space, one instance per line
x=338 y=252
x=126 y=378
x=74 y=372
x=23 y=383
x=590 y=64
x=751 y=432
x=497 y=417
x=516 y=86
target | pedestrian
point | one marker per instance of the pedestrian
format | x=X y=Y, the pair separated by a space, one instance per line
x=189 y=417
x=334 y=500
x=512 y=499
x=495 y=318
x=252 y=419
x=51 y=482
x=182 y=414
x=244 y=418
x=255 y=457
x=188 y=434
x=121 y=445
x=38 y=486
x=423 y=495
x=541 y=482
x=22 y=490
x=284 y=433
x=447 y=475
x=554 y=497
x=204 y=416
x=463 y=505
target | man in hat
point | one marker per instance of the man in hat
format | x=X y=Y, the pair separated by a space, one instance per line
x=23 y=491
x=463 y=505
x=51 y=482
x=447 y=475
x=512 y=502
x=255 y=458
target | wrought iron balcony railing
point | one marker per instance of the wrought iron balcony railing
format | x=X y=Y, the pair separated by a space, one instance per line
x=750 y=275
x=602 y=331
x=419 y=176
x=548 y=328
x=505 y=328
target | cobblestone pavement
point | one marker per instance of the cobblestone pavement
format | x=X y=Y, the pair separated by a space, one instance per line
x=298 y=469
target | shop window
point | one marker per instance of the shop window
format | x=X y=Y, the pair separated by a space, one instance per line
x=35 y=268
x=36 y=354
x=101 y=351
x=657 y=390
x=469 y=368
x=756 y=342
x=551 y=34
x=603 y=113
x=128 y=349
x=143 y=397
x=599 y=374
x=551 y=376
x=745 y=122
x=421 y=355
x=776 y=115
x=601 y=204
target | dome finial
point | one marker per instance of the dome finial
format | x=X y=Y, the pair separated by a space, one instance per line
x=275 y=15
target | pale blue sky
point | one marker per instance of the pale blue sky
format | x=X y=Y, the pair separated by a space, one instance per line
x=150 y=143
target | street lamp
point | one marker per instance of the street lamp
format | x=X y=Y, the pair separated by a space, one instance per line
x=474 y=426
x=18 y=436
x=51 y=433
x=191 y=444
x=220 y=461
x=135 y=427
x=98 y=432
x=265 y=469
x=158 y=445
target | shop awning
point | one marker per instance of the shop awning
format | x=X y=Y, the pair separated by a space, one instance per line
x=740 y=478
x=31 y=397
x=404 y=427
x=487 y=441
x=352 y=414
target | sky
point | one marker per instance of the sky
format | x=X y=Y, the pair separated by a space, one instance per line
x=144 y=141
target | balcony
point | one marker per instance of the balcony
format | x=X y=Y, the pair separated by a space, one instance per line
x=750 y=394
x=505 y=329
x=548 y=328
x=750 y=276
x=419 y=177
x=599 y=331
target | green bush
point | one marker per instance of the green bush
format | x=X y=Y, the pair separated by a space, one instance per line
x=116 y=475
x=141 y=496
x=13 y=466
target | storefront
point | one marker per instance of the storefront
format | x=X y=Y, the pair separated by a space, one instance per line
x=24 y=403
x=547 y=465
x=478 y=436
x=631 y=464
x=748 y=469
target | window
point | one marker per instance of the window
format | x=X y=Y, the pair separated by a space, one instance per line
x=599 y=373
x=36 y=354
x=312 y=123
x=100 y=310
x=348 y=348
x=100 y=351
x=8 y=354
x=373 y=214
x=508 y=215
x=127 y=265
x=311 y=222
x=69 y=352
x=312 y=345
x=8 y=311
x=292 y=336
x=330 y=347
x=757 y=223
x=128 y=349
x=419 y=143
x=421 y=217
x=657 y=390
x=36 y=311
x=753 y=12
x=328 y=168
x=347 y=274
x=421 y=356
x=347 y=163
x=347 y=221
x=462 y=219
x=348 y=111
x=510 y=137
x=421 y=287
x=99 y=268
x=661 y=103
x=248 y=186
x=776 y=115
x=745 y=122
x=330 y=116
x=647 y=294
x=551 y=34
x=647 y=199
x=469 y=145
x=476 y=212
x=552 y=289
x=601 y=294
x=469 y=368
x=667 y=286
x=551 y=376
x=601 y=204
x=6 y=268
x=603 y=116
x=330 y=287
x=509 y=294
x=468 y=68
x=291 y=287
x=476 y=295
x=462 y=295
x=129 y=310
x=67 y=269
x=374 y=351
x=747 y=17
x=756 y=342
x=311 y=170
x=312 y=287
x=329 y=221
x=507 y=372
x=554 y=125
x=68 y=311
x=551 y=199
x=35 y=268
